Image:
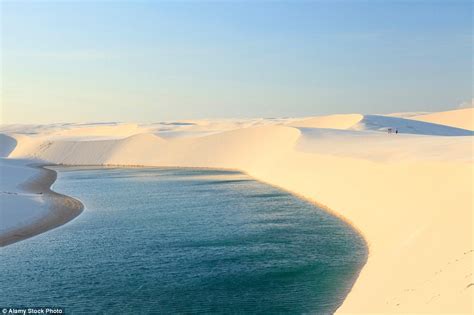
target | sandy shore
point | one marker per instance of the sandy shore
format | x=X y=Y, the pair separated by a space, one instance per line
x=62 y=209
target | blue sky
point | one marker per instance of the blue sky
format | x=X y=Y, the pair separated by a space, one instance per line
x=156 y=60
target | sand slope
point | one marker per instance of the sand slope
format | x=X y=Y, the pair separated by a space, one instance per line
x=383 y=147
x=460 y=118
x=332 y=121
x=410 y=126
x=410 y=194
x=7 y=145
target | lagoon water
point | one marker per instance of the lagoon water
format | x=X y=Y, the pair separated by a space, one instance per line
x=167 y=241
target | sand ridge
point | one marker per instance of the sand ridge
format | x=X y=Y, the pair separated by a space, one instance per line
x=459 y=118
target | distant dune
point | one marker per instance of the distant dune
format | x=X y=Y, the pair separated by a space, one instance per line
x=409 y=194
x=410 y=126
x=459 y=118
x=331 y=121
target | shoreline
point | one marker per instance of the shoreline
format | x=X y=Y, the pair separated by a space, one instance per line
x=61 y=208
x=56 y=217
x=43 y=186
x=294 y=193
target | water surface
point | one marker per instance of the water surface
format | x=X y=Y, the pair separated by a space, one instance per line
x=183 y=241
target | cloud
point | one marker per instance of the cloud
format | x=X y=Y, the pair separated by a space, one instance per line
x=467 y=104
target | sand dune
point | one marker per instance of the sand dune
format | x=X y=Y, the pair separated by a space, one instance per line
x=460 y=118
x=406 y=114
x=7 y=145
x=99 y=131
x=410 y=126
x=409 y=194
x=332 y=121
x=403 y=122
x=383 y=147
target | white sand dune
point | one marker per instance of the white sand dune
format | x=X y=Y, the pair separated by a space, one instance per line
x=382 y=147
x=332 y=121
x=410 y=126
x=406 y=114
x=410 y=194
x=7 y=145
x=99 y=131
x=460 y=118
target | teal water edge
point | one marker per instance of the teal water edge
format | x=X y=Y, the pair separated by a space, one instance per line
x=168 y=241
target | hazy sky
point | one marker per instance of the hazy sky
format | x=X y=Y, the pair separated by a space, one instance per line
x=155 y=60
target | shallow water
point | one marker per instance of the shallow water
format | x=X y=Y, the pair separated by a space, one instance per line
x=183 y=241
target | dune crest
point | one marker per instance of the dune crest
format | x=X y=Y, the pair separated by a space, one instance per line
x=410 y=126
x=110 y=130
x=344 y=121
x=459 y=118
